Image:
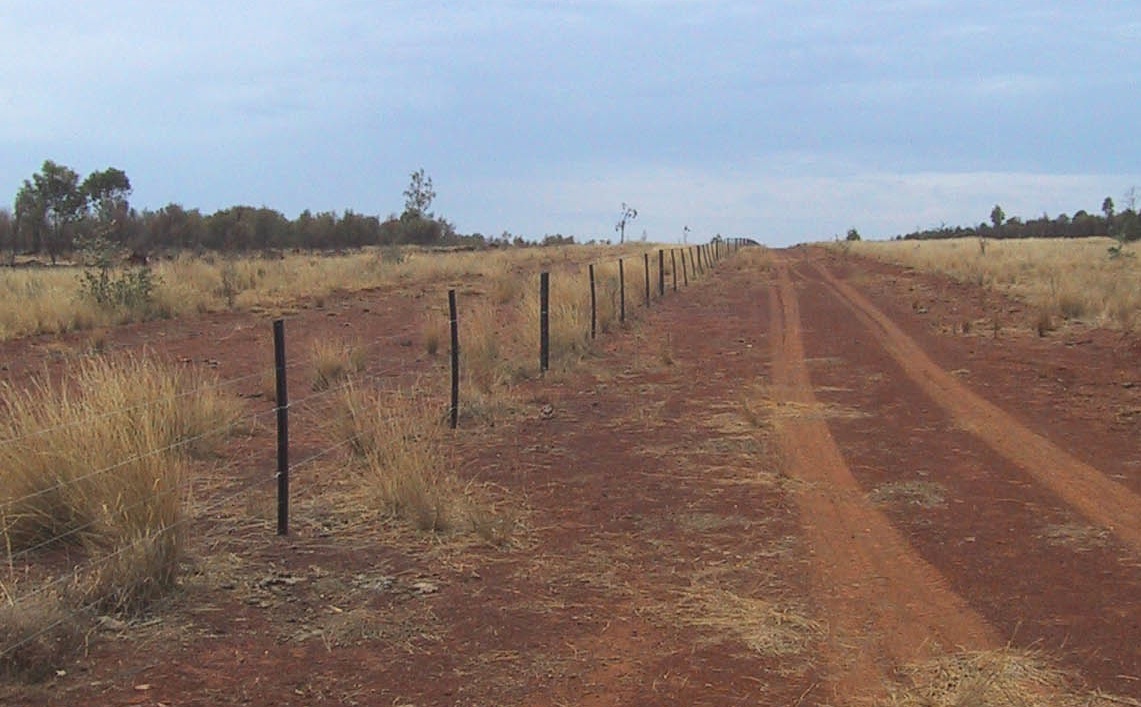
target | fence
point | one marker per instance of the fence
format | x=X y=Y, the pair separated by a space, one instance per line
x=23 y=643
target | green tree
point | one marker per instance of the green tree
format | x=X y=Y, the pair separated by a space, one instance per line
x=28 y=214
x=853 y=235
x=997 y=217
x=57 y=187
x=107 y=193
x=8 y=234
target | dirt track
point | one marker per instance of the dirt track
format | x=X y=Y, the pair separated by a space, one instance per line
x=728 y=513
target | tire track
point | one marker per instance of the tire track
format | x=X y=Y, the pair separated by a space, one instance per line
x=1083 y=487
x=885 y=605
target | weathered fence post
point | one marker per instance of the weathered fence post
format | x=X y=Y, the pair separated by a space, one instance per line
x=454 y=322
x=593 y=304
x=684 y=269
x=282 y=393
x=646 y=262
x=544 y=321
x=661 y=273
x=621 y=292
x=673 y=266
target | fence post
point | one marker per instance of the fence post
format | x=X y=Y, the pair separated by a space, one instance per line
x=661 y=273
x=454 y=322
x=621 y=292
x=684 y=269
x=646 y=262
x=593 y=305
x=673 y=266
x=544 y=321
x=282 y=393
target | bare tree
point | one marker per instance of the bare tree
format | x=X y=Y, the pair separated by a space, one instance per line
x=629 y=213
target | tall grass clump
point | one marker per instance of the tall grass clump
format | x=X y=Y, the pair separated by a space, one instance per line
x=334 y=361
x=99 y=463
x=403 y=467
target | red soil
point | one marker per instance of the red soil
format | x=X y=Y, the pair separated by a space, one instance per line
x=735 y=445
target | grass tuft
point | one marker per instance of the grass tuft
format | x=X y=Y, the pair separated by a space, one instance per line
x=766 y=628
x=404 y=466
x=38 y=634
x=99 y=463
x=1001 y=678
x=334 y=361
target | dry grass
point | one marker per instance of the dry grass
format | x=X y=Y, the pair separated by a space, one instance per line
x=1076 y=536
x=766 y=628
x=335 y=361
x=38 y=633
x=404 y=466
x=1002 y=678
x=912 y=494
x=99 y=462
x=47 y=300
x=1059 y=278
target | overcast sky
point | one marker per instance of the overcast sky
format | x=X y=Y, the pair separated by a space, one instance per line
x=784 y=120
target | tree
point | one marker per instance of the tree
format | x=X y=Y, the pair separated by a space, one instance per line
x=29 y=217
x=419 y=195
x=853 y=235
x=629 y=213
x=685 y=235
x=106 y=193
x=8 y=234
x=997 y=217
x=63 y=203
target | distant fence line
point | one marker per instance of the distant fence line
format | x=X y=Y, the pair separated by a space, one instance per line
x=694 y=262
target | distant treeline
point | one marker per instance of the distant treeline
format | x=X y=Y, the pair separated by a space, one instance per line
x=54 y=213
x=1123 y=226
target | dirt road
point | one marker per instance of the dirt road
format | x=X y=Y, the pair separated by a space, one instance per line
x=785 y=484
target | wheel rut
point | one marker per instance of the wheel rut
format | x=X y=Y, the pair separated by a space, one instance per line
x=1085 y=488
x=884 y=604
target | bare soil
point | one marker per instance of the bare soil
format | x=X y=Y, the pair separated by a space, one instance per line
x=780 y=486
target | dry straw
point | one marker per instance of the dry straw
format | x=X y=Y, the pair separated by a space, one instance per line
x=1061 y=278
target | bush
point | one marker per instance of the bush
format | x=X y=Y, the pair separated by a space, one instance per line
x=113 y=287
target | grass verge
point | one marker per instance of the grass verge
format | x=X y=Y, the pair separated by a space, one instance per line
x=98 y=465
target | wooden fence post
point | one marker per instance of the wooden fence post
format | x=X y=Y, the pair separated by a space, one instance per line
x=282 y=392
x=453 y=321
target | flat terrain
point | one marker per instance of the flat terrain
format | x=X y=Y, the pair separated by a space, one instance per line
x=783 y=485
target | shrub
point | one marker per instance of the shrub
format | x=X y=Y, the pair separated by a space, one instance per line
x=112 y=287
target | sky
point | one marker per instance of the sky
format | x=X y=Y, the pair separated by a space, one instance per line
x=786 y=121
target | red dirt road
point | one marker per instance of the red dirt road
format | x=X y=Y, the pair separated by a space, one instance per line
x=784 y=483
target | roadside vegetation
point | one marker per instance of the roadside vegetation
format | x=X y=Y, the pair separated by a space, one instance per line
x=1062 y=278
x=96 y=468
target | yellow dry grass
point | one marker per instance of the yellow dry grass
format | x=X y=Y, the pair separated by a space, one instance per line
x=1069 y=278
x=765 y=627
x=404 y=467
x=99 y=462
x=47 y=300
x=999 y=678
